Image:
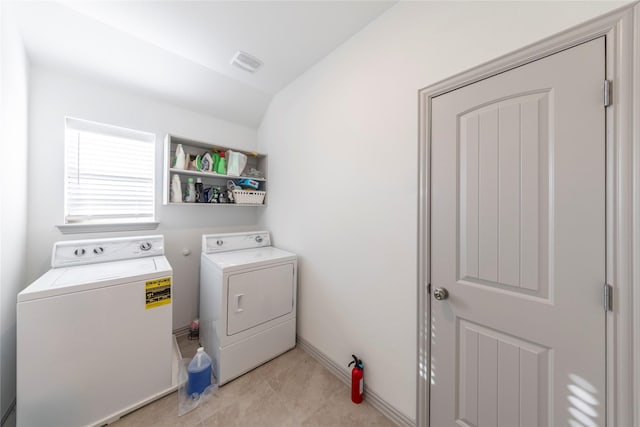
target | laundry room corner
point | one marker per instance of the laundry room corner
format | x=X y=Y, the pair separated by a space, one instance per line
x=344 y=141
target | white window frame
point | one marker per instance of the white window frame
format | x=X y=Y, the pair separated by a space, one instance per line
x=106 y=222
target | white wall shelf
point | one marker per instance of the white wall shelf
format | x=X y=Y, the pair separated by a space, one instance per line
x=211 y=174
x=231 y=205
x=192 y=148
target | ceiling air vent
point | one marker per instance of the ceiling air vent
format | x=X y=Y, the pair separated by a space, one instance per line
x=246 y=62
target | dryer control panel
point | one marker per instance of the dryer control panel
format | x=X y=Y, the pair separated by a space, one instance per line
x=78 y=252
x=212 y=243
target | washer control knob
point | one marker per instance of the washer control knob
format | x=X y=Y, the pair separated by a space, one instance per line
x=145 y=246
x=219 y=242
x=98 y=250
x=259 y=239
x=79 y=252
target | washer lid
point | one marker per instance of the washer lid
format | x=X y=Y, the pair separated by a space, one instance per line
x=243 y=258
x=66 y=280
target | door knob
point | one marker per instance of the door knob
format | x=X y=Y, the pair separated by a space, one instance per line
x=440 y=294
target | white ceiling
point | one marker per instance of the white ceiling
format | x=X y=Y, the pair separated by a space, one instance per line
x=179 y=51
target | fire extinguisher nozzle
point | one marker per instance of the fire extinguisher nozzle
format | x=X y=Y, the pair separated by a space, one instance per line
x=355 y=361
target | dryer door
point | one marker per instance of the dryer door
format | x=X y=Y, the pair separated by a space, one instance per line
x=258 y=296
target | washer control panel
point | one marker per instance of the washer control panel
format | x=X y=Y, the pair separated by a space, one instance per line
x=212 y=243
x=78 y=252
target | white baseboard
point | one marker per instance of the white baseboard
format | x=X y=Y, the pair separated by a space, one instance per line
x=343 y=375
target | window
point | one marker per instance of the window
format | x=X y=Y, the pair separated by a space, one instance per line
x=109 y=174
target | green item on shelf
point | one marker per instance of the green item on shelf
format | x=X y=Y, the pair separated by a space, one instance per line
x=222 y=165
x=216 y=161
x=196 y=163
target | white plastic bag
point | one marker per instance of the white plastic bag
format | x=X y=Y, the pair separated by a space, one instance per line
x=236 y=162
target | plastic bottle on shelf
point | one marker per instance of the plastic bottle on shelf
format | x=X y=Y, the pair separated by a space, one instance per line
x=190 y=194
x=199 y=373
x=199 y=191
x=216 y=161
x=222 y=165
x=176 y=189
x=180 y=159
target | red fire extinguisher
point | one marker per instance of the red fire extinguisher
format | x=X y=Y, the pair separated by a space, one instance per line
x=357 y=379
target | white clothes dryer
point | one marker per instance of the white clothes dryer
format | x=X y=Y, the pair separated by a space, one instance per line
x=248 y=295
x=94 y=333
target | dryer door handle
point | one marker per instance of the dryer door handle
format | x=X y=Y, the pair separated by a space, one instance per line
x=238 y=298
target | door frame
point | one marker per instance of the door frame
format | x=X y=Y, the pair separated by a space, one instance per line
x=621 y=29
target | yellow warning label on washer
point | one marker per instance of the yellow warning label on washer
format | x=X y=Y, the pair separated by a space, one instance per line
x=158 y=292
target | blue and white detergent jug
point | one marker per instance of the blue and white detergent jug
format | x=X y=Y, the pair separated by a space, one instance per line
x=199 y=371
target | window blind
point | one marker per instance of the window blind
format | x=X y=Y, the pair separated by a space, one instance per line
x=109 y=173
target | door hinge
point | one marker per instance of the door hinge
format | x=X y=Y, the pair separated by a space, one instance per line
x=608 y=93
x=429 y=288
x=608 y=297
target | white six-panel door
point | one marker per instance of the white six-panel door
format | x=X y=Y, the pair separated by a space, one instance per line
x=518 y=241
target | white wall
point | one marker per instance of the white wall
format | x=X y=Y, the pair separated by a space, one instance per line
x=55 y=94
x=13 y=200
x=342 y=143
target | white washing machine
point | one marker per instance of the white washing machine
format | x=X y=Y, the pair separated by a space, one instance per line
x=247 y=301
x=94 y=333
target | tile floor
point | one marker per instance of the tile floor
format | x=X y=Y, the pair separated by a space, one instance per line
x=291 y=390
